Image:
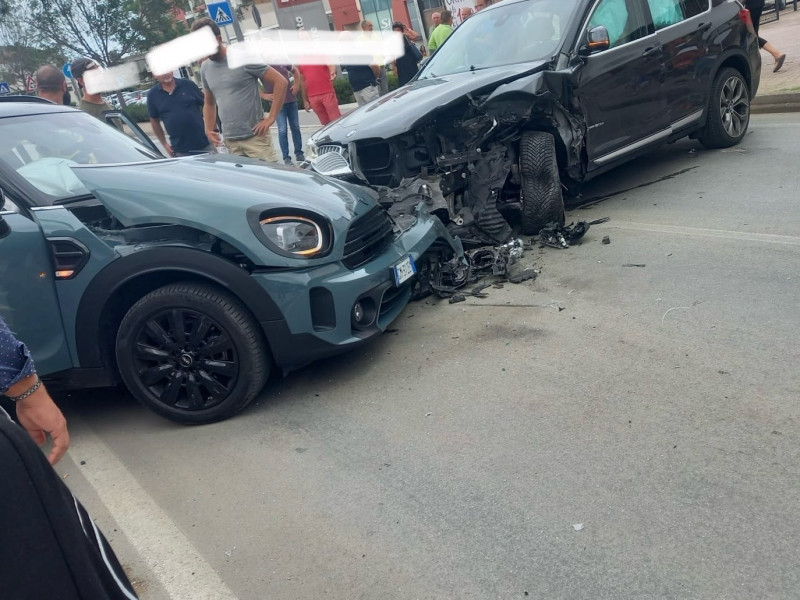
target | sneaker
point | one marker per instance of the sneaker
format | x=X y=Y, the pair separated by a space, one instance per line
x=288 y=162
x=301 y=158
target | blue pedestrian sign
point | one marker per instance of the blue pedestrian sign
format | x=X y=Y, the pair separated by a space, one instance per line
x=221 y=13
x=67 y=70
x=4 y=89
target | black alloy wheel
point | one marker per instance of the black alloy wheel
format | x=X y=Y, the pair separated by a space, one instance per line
x=192 y=353
x=185 y=359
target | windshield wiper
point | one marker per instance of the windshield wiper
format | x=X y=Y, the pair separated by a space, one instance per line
x=73 y=199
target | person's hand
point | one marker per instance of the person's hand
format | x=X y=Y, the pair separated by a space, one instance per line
x=266 y=96
x=295 y=88
x=213 y=137
x=168 y=150
x=262 y=127
x=333 y=74
x=40 y=416
x=307 y=106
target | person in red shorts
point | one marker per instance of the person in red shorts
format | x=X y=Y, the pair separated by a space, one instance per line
x=318 y=92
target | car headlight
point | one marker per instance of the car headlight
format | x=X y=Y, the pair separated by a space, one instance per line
x=311 y=150
x=294 y=234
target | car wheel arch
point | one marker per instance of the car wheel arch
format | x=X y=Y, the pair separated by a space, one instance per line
x=735 y=60
x=115 y=289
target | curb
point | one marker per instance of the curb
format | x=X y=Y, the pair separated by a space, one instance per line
x=775 y=103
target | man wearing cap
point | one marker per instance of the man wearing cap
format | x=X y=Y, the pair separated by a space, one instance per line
x=90 y=103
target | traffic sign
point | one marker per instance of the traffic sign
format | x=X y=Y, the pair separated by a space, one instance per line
x=4 y=89
x=221 y=13
x=30 y=84
x=67 y=70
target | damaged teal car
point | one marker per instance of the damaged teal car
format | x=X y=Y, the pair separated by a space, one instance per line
x=189 y=280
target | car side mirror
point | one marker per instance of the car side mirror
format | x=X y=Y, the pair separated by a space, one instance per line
x=597 y=40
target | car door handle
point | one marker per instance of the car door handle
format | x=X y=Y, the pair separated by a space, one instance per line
x=704 y=27
x=651 y=52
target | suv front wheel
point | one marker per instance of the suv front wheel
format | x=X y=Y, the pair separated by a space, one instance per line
x=191 y=353
x=728 y=111
x=542 y=201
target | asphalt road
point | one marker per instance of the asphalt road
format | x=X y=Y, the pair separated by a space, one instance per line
x=453 y=458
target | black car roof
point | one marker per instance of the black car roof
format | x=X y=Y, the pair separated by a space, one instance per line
x=28 y=106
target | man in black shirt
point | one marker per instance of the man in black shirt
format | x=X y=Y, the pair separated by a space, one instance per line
x=363 y=80
x=179 y=103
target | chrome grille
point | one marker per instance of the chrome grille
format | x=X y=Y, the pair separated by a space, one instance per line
x=331 y=160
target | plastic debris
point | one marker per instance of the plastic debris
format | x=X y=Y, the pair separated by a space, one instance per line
x=607 y=240
x=561 y=236
x=634 y=265
x=526 y=275
x=456 y=298
x=577 y=526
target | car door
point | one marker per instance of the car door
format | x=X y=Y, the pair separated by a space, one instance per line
x=620 y=89
x=682 y=28
x=28 y=299
x=122 y=121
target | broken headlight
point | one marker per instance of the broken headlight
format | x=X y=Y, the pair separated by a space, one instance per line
x=311 y=150
x=296 y=235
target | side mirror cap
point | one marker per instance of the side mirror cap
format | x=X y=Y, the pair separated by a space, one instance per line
x=597 y=40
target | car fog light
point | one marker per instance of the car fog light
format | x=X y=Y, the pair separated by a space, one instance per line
x=358 y=313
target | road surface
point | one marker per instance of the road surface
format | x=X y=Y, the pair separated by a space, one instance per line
x=640 y=443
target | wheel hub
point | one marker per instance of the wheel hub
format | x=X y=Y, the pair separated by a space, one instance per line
x=186 y=360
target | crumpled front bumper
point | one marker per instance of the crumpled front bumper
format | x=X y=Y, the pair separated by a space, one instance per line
x=317 y=303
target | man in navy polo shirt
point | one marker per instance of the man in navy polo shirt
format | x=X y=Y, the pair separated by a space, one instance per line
x=179 y=103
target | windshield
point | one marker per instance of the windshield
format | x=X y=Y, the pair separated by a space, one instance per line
x=511 y=33
x=41 y=148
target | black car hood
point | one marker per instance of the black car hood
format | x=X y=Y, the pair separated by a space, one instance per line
x=402 y=110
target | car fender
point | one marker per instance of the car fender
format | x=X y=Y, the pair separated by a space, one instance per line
x=155 y=267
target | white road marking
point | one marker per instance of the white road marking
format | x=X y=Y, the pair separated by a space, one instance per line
x=174 y=560
x=714 y=233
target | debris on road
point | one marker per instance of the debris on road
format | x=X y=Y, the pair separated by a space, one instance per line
x=607 y=240
x=526 y=275
x=634 y=265
x=577 y=526
x=456 y=298
x=562 y=236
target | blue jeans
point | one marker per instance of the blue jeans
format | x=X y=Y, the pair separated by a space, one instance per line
x=290 y=114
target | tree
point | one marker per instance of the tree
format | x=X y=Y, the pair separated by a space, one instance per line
x=106 y=31
x=22 y=51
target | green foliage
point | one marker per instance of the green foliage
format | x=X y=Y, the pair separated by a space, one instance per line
x=105 y=30
x=344 y=93
x=22 y=52
x=391 y=78
x=137 y=112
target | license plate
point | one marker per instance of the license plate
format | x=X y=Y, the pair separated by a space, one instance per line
x=404 y=270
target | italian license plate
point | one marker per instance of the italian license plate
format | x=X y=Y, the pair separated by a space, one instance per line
x=404 y=270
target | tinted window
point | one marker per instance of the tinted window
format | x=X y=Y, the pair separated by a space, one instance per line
x=41 y=148
x=622 y=24
x=669 y=12
x=508 y=34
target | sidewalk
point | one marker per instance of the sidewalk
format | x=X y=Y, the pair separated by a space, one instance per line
x=785 y=36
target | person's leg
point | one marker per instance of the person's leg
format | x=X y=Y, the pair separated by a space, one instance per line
x=359 y=95
x=368 y=94
x=319 y=108
x=283 y=134
x=258 y=146
x=293 y=116
x=235 y=147
x=332 y=106
x=755 y=15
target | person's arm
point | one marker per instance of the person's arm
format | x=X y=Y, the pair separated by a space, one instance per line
x=36 y=411
x=159 y=131
x=279 y=86
x=410 y=34
x=394 y=67
x=297 y=80
x=332 y=71
x=210 y=117
x=376 y=70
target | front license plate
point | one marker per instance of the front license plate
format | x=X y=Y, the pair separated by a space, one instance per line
x=404 y=270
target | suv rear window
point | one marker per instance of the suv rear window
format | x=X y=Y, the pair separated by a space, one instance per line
x=41 y=148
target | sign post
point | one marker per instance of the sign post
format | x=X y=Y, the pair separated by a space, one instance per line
x=222 y=14
x=30 y=84
x=4 y=89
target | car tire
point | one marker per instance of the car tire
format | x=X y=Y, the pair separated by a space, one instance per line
x=542 y=200
x=191 y=353
x=728 y=111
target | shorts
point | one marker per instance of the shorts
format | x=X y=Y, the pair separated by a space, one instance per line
x=258 y=146
x=367 y=94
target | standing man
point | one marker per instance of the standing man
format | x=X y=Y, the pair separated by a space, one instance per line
x=179 y=103
x=368 y=33
x=236 y=91
x=441 y=33
x=318 y=92
x=363 y=81
x=481 y=4
x=437 y=20
x=90 y=103
x=289 y=117
x=465 y=13
x=51 y=84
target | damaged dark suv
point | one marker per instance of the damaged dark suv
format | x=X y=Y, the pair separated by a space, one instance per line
x=530 y=96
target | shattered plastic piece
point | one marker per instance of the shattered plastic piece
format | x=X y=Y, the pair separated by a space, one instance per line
x=456 y=298
x=526 y=275
x=634 y=265
x=577 y=526
x=428 y=414
x=607 y=240
x=559 y=236
x=480 y=287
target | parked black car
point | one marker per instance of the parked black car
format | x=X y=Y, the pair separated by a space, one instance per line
x=530 y=94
